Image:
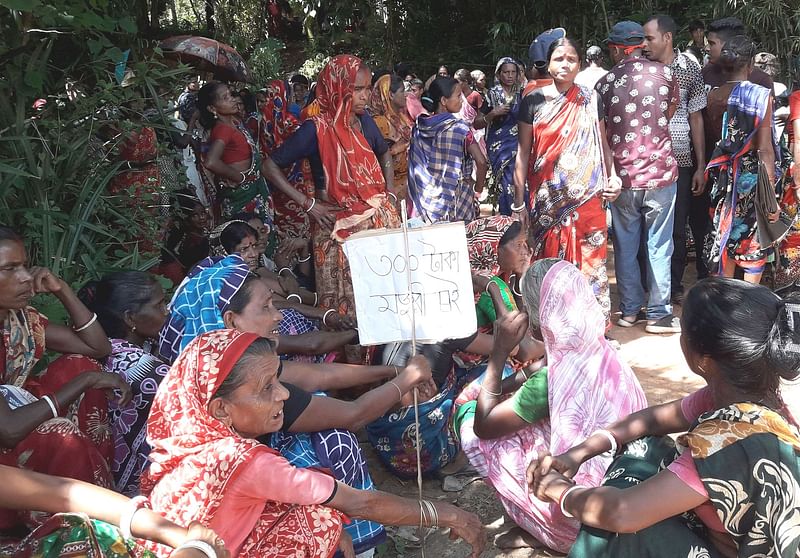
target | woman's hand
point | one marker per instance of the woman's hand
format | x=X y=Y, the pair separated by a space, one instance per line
x=45 y=281
x=417 y=371
x=289 y=284
x=613 y=188
x=198 y=532
x=110 y=383
x=479 y=282
x=551 y=486
x=286 y=250
x=509 y=329
x=499 y=111
x=566 y=464
x=323 y=214
x=339 y=322
x=468 y=527
x=773 y=217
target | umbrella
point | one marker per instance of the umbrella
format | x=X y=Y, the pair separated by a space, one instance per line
x=208 y=55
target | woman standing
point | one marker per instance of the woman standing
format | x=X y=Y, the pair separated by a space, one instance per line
x=388 y=107
x=358 y=171
x=559 y=129
x=233 y=157
x=500 y=120
x=788 y=270
x=440 y=159
x=747 y=137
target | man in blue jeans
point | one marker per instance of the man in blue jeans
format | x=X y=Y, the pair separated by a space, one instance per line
x=639 y=96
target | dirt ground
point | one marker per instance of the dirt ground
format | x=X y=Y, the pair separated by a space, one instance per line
x=657 y=361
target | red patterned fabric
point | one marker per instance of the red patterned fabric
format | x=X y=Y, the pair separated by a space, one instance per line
x=195 y=456
x=279 y=124
x=352 y=173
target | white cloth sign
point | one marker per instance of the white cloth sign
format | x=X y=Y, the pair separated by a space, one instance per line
x=441 y=284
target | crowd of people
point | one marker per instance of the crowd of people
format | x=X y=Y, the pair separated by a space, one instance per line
x=221 y=417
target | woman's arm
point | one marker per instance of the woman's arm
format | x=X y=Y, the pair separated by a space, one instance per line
x=622 y=511
x=16 y=424
x=91 y=341
x=613 y=182
x=213 y=162
x=481 y=166
x=389 y=509
x=318 y=210
x=660 y=420
x=795 y=124
x=326 y=412
x=766 y=149
x=387 y=168
x=315 y=343
x=494 y=419
x=525 y=139
x=26 y=490
x=324 y=377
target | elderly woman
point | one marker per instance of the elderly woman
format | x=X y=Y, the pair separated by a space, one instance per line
x=585 y=386
x=358 y=193
x=314 y=432
x=33 y=431
x=500 y=119
x=738 y=466
x=388 y=107
x=209 y=467
x=130 y=306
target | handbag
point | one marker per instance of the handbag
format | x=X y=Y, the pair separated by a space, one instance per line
x=768 y=234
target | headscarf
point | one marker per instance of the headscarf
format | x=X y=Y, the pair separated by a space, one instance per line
x=352 y=173
x=381 y=105
x=279 y=123
x=483 y=243
x=200 y=301
x=195 y=455
x=214 y=240
x=500 y=63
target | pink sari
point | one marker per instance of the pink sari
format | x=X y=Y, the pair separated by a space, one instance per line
x=589 y=387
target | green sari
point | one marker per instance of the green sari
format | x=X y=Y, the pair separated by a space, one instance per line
x=70 y=535
x=748 y=458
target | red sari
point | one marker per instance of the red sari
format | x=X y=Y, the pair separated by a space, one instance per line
x=78 y=446
x=195 y=457
x=566 y=179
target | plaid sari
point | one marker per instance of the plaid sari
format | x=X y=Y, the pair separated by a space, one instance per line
x=439 y=169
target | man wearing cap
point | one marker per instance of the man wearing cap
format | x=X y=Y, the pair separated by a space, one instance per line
x=537 y=54
x=639 y=98
x=686 y=129
x=594 y=71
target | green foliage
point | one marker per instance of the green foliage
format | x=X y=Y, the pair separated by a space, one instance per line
x=57 y=164
x=265 y=62
x=313 y=66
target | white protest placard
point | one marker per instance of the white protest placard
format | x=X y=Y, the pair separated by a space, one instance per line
x=441 y=284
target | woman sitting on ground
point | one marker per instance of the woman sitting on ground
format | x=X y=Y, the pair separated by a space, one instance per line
x=209 y=467
x=738 y=467
x=585 y=386
x=300 y=333
x=131 y=308
x=70 y=531
x=441 y=157
x=226 y=295
x=32 y=433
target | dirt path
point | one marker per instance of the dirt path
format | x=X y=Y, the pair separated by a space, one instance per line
x=664 y=375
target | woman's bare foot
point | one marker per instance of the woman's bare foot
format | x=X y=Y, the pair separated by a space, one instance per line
x=516 y=537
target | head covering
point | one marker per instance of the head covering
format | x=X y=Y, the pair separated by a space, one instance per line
x=499 y=66
x=626 y=33
x=279 y=123
x=537 y=52
x=193 y=455
x=483 y=243
x=381 y=104
x=200 y=301
x=352 y=173
x=214 y=240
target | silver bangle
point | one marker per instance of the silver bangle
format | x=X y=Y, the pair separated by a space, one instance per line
x=400 y=391
x=316 y=299
x=289 y=269
x=611 y=439
x=52 y=405
x=563 y=499
x=126 y=519
x=393 y=195
x=304 y=260
x=325 y=316
x=87 y=324
x=313 y=203
x=519 y=207
x=202 y=546
x=299 y=300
